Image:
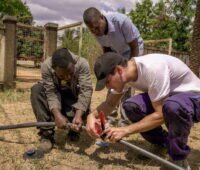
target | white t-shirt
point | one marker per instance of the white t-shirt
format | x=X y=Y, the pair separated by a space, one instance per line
x=161 y=75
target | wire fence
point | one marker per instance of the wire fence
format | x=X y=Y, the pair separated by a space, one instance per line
x=184 y=56
x=30 y=43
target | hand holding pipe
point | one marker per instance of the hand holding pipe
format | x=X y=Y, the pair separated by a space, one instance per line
x=138 y=149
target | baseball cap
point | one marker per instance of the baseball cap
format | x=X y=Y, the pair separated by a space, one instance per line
x=104 y=66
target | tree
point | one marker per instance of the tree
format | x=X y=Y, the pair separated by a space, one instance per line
x=195 y=54
x=181 y=12
x=167 y=18
x=25 y=46
x=16 y=8
x=143 y=18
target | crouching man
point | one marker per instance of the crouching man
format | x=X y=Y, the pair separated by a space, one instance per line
x=63 y=95
x=171 y=97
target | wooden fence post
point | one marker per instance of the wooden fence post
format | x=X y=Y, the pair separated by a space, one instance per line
x=2 y=53
x=50 y=39
x=8 y=52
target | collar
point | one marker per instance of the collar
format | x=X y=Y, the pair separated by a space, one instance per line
x=111 y=27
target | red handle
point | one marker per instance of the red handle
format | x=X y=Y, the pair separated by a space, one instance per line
x=102 y=119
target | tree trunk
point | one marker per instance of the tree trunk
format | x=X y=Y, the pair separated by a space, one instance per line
x=195 y=54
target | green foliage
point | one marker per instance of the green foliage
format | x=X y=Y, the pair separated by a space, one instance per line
x=165 y=19
x=70 y=40
x=182 y=14
x=90 y=47
x=25 y=46
x=16 y=8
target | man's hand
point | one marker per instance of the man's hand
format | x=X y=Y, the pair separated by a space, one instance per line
x=90 y=127
x=61 y=121
x=115 y=134
x=77 y=121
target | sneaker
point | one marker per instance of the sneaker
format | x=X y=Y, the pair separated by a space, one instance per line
x=46 y=144
x=73 y=136
x=183 y=164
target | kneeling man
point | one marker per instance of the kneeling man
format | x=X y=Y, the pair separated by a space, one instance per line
x=171 y=97
x=63 y=95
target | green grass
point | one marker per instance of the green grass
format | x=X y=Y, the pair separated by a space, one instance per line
x=14 y=96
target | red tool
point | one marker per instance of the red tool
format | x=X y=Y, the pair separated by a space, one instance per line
x=102 y=120
x=101 y=128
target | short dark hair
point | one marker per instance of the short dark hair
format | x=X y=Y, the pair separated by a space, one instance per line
x=90 y=14
x=62 y=58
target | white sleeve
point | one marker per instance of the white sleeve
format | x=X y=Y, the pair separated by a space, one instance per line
x=159 y=82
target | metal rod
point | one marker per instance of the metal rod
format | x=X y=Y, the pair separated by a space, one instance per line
x=151 y=155
x=32 y=124
x=130 y=145
x=147 y=153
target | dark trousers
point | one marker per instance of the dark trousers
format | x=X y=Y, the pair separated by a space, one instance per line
x=180 y=111
x=41 y=108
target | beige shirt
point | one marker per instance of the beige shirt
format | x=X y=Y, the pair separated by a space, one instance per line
x=81 y=84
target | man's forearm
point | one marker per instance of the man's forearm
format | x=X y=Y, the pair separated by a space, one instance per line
x=79 y=112
x=134 y=48
x=148 y=123
x=104 y=107
x=111 y=102
x=55 y=111
x=134 y=52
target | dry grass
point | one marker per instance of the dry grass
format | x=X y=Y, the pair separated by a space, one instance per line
x=15 y=108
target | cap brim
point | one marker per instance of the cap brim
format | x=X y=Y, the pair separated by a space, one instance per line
x=100 y=85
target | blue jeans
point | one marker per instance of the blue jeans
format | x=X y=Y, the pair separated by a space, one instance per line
x=180 y=111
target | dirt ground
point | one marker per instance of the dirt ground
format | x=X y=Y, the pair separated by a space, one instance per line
x=15 y=108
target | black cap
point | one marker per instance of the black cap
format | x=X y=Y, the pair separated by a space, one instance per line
x=103 y=66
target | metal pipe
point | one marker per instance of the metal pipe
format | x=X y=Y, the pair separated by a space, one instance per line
x=130 y=145
x=151 y=155
x=32 y=124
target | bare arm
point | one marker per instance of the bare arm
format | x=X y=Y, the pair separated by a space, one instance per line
x=111 y=102
x=134 y=48
x=106 y=107
x=147 y=123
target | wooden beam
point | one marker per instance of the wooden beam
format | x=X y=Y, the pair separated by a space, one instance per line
x=21 y=25
x=157 y=41
x=70 y=26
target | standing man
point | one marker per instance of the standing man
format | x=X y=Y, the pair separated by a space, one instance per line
x=171 y=97
x=63 y=95
x=115 y=32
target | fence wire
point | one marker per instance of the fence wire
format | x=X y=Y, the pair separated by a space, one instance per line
x=30 y=42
